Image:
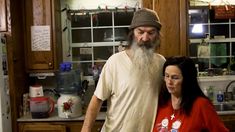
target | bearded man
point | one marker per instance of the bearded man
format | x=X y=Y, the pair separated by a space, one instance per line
x=130 y=80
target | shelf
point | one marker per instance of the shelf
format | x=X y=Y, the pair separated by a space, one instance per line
x=216 y=78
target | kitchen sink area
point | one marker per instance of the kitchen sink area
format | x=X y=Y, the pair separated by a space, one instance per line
x=225 y=108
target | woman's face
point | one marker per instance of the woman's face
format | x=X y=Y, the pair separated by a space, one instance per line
x=173 y=79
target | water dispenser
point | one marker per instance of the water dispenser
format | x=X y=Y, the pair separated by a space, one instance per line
x=68 y=85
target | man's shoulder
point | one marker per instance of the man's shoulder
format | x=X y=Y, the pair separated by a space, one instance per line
x=159 y=56
x=117 y=55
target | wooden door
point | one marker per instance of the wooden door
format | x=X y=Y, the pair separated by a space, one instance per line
x=173 y=16
x=42 y=35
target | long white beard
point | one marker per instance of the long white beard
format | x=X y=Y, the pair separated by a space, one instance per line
x=145 y=65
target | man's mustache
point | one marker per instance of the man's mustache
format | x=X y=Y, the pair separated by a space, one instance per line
x=146 y=44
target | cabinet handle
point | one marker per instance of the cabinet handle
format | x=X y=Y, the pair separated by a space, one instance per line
x=50 y=64
x=98 y=129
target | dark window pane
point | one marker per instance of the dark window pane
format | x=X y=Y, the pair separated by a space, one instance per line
x=122 y=18
x=193 y=49
x=233 y=49
x=103 y=53
x=198 y=16
x=103 y=34
x=82 y=54
x=221 y=62
x=102 y=19
x=121 y=34
x=233 y=30
x=220 y=30
x=81 y=35
x=86 y=68
x=82 y=20
x=202 y=62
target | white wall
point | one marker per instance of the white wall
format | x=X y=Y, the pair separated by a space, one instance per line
x=211 y=2
x=94 y=4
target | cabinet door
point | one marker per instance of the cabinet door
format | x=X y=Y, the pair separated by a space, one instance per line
x=42 y=34
x=42 y=128
x=97 y=126
x=229 y=121
x=77 y=126
x=173 y=16
x=3 y=25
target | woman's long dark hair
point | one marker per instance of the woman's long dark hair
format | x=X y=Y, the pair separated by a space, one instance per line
x=190 y=87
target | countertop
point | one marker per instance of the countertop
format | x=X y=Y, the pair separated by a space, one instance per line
x=230 y=112
x=54 y=117
x=101 y=116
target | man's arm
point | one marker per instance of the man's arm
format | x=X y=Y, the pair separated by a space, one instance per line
x=91 y=113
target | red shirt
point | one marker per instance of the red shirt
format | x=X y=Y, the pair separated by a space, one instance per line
x=203 y=117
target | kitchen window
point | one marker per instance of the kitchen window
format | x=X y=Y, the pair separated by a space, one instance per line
x=96 y=35
x=212 y=41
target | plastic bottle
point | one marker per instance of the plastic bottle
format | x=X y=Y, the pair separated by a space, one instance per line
x=220 y=96
x=197 y=67
x=205 y=92
x=211 y=93
x=67 y=79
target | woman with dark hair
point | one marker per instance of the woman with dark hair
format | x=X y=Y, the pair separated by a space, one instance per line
x=182 y=105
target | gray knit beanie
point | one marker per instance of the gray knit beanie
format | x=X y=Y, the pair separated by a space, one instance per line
x=145 y=17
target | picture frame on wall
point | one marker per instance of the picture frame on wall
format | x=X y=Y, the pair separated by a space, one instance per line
x=3 y=20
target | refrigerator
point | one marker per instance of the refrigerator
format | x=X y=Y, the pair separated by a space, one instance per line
x=5 y=107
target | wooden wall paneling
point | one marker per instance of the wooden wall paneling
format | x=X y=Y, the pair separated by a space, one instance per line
x=147 y=4
x=173 y=16
x=173 y=31
x=184 y=39
x=15 y=53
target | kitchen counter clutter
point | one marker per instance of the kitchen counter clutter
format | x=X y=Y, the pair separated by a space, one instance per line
x=101 y=116
x=54 y=117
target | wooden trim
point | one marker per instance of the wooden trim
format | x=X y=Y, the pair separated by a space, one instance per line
x=184 y=27
x=148 y=4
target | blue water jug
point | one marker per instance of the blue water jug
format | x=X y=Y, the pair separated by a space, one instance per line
x=68 y=80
